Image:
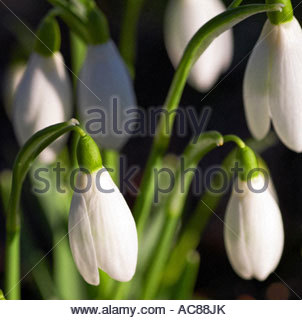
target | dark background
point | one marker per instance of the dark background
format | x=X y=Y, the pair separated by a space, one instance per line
x=154 y=74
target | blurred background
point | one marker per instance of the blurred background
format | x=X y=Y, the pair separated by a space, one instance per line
x=154 y=73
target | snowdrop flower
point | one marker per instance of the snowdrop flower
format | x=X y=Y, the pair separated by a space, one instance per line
x=105 y=93
x=12 y=79
x=44 y=95
x=253 y=230
x=102 y=231
x=183 y=19
x=273 y=83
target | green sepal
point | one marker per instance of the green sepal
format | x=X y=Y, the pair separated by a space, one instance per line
x=48 y=37
x=88 y=154
x=248 y=162
x=97 y=26
x=283 y=16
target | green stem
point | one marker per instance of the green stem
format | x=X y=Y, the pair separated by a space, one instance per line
x=40 y=273
x=185 y=288
x=284 y=15
x=25 y=158
x=145 y=198
x=191 y=235
x=199 y=43
x=235 y=4
x=235 y=139
x=72 y=18
x=128 y=36
x=12 y=265
x=174 y=208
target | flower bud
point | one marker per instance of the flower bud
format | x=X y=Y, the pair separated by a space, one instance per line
x=102 y=231
x=273 y=84
x=105 y=92
x=43 y=98
x=253 y=230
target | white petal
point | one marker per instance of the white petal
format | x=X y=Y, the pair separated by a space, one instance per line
x=113 y=229
x=81 y=242
x=103 y=77
x=234 y=234
x=256 y=219
x=286 y=84
x=43 y=98
x=183 y=19
x=256 y=85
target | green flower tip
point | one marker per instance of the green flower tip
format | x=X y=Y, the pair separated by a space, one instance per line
x=97 y=26
x=248 y=162
x=48 y=37
x=2 y=295
x=74 y=122
x=88 y=154
x=282 y=16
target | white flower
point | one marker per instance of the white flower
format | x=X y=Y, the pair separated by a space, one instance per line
x=102 y=231
x=183 y=19
x=253 y=231
x=104 y=77
x=43 y=98
x=273 y=84
x=12 y=79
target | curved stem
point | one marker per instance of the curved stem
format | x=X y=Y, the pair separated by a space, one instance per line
x=235 y=4
x=128 y=36
x=72 y=18
x=199 y=43
x=25 y=158
x=235 y=139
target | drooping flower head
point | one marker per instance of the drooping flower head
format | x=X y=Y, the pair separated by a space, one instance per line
x=105 y=92
x=44 y=95
x=183 y=19
x=253 y=229
x=102 y=231
x=273 y=81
